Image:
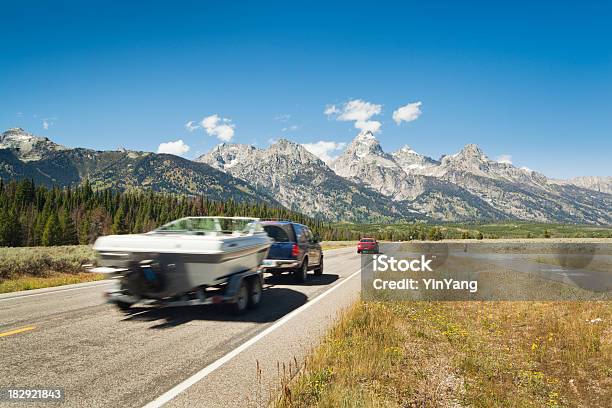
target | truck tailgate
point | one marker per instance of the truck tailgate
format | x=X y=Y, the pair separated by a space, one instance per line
x=281 y=250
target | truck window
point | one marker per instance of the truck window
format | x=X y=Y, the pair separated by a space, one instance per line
x=299 y=232
x=277 y=233
x=307 y=234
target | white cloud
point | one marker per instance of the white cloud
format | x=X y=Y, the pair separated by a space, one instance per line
x=330 y=110
x=354 y=110
x=291 y=128
x=221 y=128
x=359 y=111
x=48 y=122
x=272 y=140
x=325 y=150
x=407 y=113
x=177 y=148
x=504 y=158
x=283 y=118
x=191 y=126
x=371 y=125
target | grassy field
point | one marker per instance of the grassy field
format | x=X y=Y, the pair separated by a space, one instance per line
x=56 y=279
x=40 y=267
x=442 y=354
x=529 y=230
x=325 y=245
x=491 y=230
x=35 y=267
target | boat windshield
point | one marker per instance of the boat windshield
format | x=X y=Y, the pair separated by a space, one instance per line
x=212 y=226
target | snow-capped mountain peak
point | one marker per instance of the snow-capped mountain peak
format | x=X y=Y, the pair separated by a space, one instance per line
x=365 y=144
x=471 y=152
x=411 y=161
x=471 y=159
x=365 y=136
x=225 y=156
x=405 y=149
x=365 y=162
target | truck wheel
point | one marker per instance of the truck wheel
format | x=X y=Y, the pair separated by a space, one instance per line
x=242 y=299
x=123 y=306
x=301 y=273
x=319 y=269
x=255 y=291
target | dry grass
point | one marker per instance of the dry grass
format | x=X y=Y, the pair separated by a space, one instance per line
x=326 y=245
x=599 y=265
x=41 y=267
x=37 y=282
x=451 y=354
x=43 y=261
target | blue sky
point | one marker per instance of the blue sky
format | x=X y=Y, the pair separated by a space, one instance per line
x=529 y=80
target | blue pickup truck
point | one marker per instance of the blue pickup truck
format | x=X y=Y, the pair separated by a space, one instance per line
x=295 y=250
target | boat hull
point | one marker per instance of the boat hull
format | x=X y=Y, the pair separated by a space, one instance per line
x=171 y=270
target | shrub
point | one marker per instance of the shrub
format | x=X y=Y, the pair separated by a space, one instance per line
x=43 y=261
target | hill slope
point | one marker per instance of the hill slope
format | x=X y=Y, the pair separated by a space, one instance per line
x=23 y=155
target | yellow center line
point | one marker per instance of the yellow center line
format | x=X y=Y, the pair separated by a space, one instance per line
x=16 y=331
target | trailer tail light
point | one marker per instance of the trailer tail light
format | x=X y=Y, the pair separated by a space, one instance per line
x=295 y=250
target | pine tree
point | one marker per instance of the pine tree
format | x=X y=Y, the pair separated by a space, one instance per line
x=10 y=229
x=84 y=230
x=138 y=226
x=24 y=194
x=68 y=230
x=33 y=215
x=119 y=226
x=52 y=234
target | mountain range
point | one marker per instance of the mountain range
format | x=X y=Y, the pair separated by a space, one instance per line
x=25 y=155
x=363 y=184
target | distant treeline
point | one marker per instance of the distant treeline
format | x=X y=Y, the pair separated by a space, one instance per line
x=32 y=215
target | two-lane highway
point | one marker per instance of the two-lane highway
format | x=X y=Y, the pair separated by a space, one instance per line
x=197 y=356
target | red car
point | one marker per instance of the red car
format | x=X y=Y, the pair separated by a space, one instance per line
x=367 y=245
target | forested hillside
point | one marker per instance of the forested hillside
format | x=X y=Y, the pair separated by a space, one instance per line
x=32 y=215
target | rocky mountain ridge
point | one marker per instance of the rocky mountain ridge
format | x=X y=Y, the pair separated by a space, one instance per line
x=363 y=184
x=23 y=155
x=27 y=146
x=302 y=182
x=602 y=184
x=475 y=181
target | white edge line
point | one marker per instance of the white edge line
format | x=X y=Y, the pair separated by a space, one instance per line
x=184 y=385
x=54 y=291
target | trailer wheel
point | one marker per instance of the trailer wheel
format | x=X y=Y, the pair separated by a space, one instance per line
x=123 y=306
x=242 y=299
x=255 y=292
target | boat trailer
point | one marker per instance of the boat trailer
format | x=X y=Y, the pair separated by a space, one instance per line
x=241 y=291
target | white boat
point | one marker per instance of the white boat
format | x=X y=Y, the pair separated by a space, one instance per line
x=184 y=255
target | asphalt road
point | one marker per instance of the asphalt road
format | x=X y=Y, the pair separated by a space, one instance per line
x=184 y=357
x=193 y=356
